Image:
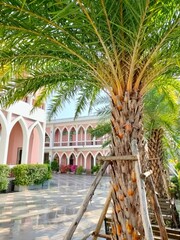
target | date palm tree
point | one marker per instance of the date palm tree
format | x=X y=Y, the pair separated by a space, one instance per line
x=160 y=118
x=83 y=46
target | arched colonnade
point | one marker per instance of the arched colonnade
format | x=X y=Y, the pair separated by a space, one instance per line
x=21 y=140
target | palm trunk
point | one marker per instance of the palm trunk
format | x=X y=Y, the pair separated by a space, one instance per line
x=126 y=125
x=155 y=148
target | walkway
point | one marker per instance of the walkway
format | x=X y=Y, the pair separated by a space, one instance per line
x=47 y=213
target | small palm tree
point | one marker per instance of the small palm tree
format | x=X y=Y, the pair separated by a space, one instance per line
x=84 y=46
x=161 y=120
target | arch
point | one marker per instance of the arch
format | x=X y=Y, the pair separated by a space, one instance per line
x=3 y=138
x=57 y=136
x=15 y=148
x=64 y=159
x=18 y=142
x=72 y=137
x=47 y=140
x=56 y=157
x=36 y=146
x=89 y=126
x=72 y=159
x=81 y=136
x=65 y=137
x=22 y=123
x=89 y=137
x=89 y=161
x=81 y=160
x=99 y=154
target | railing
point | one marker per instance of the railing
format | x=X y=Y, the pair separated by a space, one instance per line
x=47 y=144
x=89 y=143
x=98 y=142
x=74 y=143
x=57 y=144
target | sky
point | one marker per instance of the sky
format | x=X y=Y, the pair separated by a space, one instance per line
x=69 y=111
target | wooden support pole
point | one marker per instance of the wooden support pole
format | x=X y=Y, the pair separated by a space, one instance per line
x=103 y=214
x=118 y=158
x=156 y=209
x=142 y=195
x=86 y=201
x=101 y=235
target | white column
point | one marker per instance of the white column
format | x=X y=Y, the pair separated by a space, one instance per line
x=76 y=160
x=94 y=160
x=4 y=146
x=85 y=135
x=52 y=137
x=50 y=155
x=94 y=140
x=42 y=143
x=4 y=142
x=76 y=136
x=60 y=138
x=68 y=137
x=85 y=162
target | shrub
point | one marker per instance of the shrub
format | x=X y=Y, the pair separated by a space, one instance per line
x=4 y=173
x=95 y=168
x=64 y=168
x=54 y=166
x=80 y=170
x=28 y=174
x=73 y=168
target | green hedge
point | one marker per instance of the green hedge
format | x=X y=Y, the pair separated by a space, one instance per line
x=4 y=173
x=29 y=174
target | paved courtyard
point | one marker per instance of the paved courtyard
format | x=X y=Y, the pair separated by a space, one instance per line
x=46 y=214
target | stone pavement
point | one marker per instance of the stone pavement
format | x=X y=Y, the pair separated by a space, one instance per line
x=46 y=214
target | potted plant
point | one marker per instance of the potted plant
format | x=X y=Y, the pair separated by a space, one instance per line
x=30 y=176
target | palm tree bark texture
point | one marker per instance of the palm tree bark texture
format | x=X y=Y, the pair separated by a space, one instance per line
x=126 y=123
x=155 y=149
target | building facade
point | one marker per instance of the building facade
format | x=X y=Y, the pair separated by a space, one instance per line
x=69 y=142
x=22 y=133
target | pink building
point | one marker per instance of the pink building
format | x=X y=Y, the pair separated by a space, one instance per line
x=22 y=133
x=69 y=142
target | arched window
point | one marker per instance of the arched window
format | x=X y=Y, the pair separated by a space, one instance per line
x=56 y=157
x=72 y=159
x=65 y=137
x=81 y=136
x=72 y=137
x=57 y=138
x=80 y=160
x=47 y=140
x=89 y=137
x=64 y=160
x=96 y=160
x=89 y=162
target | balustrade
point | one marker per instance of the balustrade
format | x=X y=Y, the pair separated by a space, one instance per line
x=75 y=143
